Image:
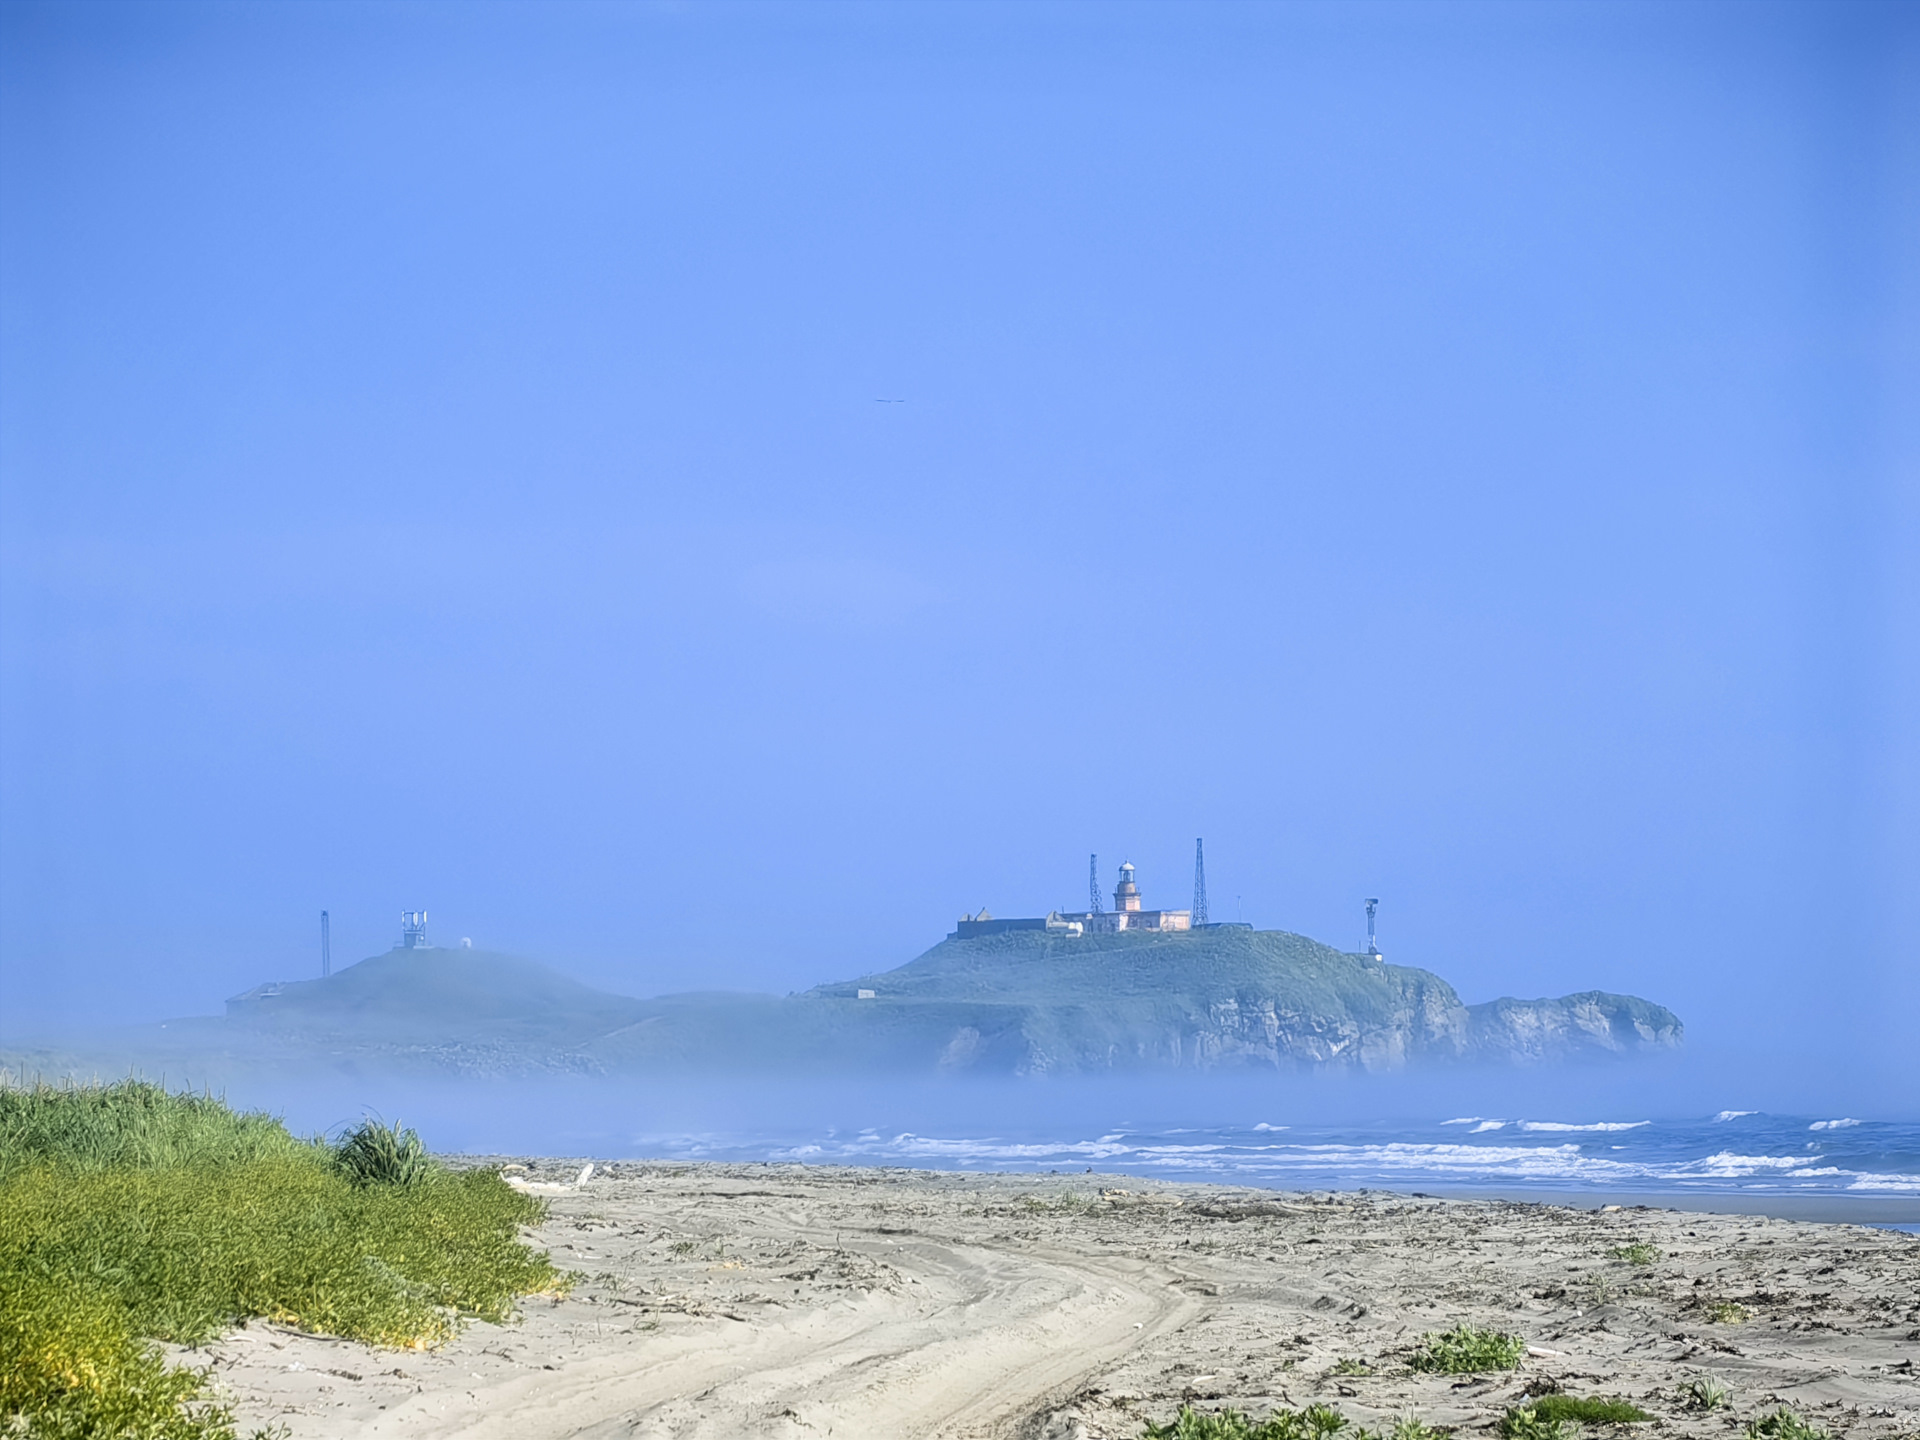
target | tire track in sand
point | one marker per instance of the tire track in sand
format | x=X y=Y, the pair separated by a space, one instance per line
x=988 y=1334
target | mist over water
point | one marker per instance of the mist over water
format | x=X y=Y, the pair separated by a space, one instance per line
x=1598 y=1131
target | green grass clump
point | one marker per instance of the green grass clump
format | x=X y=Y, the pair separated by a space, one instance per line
x=1587 y=1410
x=1316 y=1422
x=1351 y=1366
x=376 y=1154
x=1313 y=1423
x=1727 y=1312
x=1638 y=1253
x=1467 y=1350
x=129 y=1215
x=131 y=1125
x=1783 y=1424
x=1525 y=1422
x=1706 y=1393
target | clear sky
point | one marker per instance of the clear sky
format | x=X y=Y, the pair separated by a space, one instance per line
x=703 y=494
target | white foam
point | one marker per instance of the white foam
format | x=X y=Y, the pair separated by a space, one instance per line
x=1832 y=1124
x=1907 y=1184
x=1726 y=1115
x=1727 y=1166
x=1602 y=1126
x=1463 y=1120
x=1555 y=1159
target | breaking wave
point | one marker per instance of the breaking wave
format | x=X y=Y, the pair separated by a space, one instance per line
x=1637 y=1156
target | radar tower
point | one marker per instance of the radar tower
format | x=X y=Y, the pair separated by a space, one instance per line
x=413 y=930
x=1372 y=948
x=1093 y=884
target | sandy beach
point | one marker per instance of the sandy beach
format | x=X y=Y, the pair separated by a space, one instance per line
x=787 y=1300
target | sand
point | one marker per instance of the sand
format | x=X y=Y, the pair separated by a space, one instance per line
x=788 y=1300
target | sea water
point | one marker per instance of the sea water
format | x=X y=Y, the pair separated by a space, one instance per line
x=1724 y=1153
x=1176 y=1133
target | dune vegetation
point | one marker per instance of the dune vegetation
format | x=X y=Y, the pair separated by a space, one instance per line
x=130 y=1215
x=1315 y=1422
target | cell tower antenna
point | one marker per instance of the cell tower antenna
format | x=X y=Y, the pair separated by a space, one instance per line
x=326 y=948
x=1199 y=883
x=1093 y=884
x=1372 y=948
x=413 y=930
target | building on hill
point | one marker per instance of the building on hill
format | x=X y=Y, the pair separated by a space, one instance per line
x=1126 y=914
x=971 y=927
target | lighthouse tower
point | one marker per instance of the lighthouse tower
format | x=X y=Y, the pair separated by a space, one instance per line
x=1126 y=895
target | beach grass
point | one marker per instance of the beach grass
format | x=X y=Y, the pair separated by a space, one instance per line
x=1550 y=1410
x=1784 y=1424
x=129 y=1214
x=1638 y=1253
x=1467 y=1350
x=1707 y=1393
x=1315 y=1422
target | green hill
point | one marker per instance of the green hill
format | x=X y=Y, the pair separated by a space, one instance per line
x=437 y=995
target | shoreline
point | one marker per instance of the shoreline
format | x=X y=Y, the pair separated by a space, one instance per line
x=789 y=1300
x=1829 y=1209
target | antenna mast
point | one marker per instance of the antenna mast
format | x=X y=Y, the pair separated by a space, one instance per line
x=1372 y=948
x=326 y=948
x=1093 y=884
x=1199 y=884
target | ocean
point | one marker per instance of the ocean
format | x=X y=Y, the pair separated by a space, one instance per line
x=1740 y=1156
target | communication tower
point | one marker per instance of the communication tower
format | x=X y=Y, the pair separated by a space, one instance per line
x=326 y=948
x=1372 y=948
x=1093 y=884
x=413 y=930
x=1199 y=884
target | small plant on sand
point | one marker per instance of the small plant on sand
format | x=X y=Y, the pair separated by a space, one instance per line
x=1783 y=1424
x=1706 y=1393
x=1726 y=1312
x=1638 y=1253
x=1406 y=1427
x=1588 y=1410
x=1316 y=1422
x=1352 y=1367
x=1525 y=1422
x=1599 y=1290
x=1467 y=1350
x=376 y=1154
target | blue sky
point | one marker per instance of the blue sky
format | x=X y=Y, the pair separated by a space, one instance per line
x=1463 y=455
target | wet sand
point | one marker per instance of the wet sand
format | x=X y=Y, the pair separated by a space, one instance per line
x=787 y=1300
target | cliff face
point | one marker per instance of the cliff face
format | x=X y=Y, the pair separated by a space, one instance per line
x=1590 y=1023
x=1235 y=999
